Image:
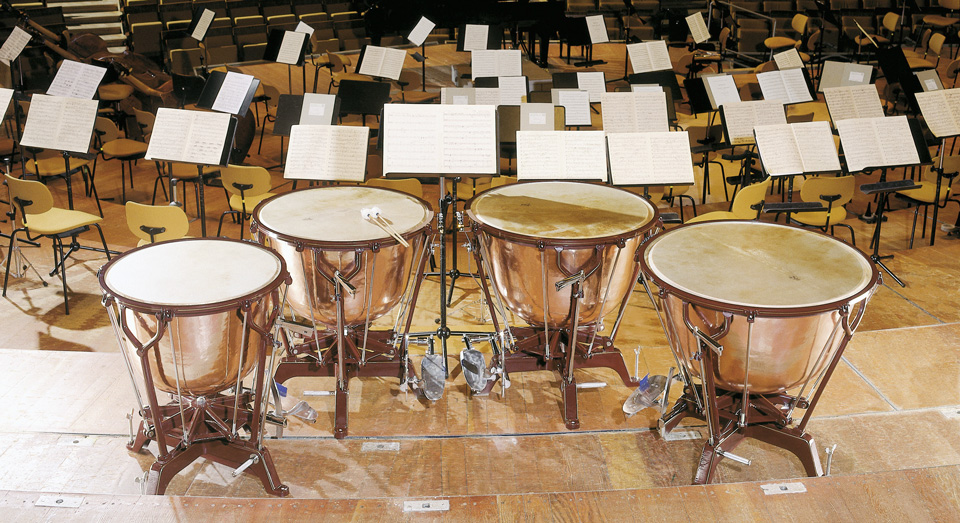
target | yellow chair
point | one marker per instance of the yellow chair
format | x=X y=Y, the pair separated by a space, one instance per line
x=247 y=186
x=47 y=165
x=340 y=70
x=924 y=195
x=836 y=191
x=39 y=218
x=112 y=146
x=799 y=26
x=156 y=223
x=747 y=205
x=413 y=79
x=271 y=99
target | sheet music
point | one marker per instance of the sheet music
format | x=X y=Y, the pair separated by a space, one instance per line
x=649 y=56
x=592 y=82
x=475 y=37
x=650 y=158
x=597 y=29
x=877 y=142
x=855 y=101
x=291 y=47
x=487 y=63
x=303 y=28
x=787 y=86
x=537 y=117
x=722 y=89
x=817 y=147
x=76 y=80
x=60 y=123
x=512 y=89
x=440 y=139
x=789 y=59
x=698 y=29
x=421 y=31
x=646 y=88
x=486 y=96
x=327 y=152
x=383 y=62
x=939 y=116
x=188 y=136
x=5 y=96
x=14 y=44
x=203 y=24
x=576 y=105
x=561 y=155
x=741 y=118
x=233 y=92
x=318 y=109
x=634 y=112
x=778 y=150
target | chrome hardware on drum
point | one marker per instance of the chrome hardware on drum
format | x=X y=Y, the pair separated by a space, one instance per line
x=562 y=256
x=197 y=314
x=757 y=316
x=345 y=247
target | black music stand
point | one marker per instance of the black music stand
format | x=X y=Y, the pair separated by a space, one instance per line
x=362 y=97
x=199 y=25
x=665 y=78
x=274 y=49
x=494 y=36
x=883 y=189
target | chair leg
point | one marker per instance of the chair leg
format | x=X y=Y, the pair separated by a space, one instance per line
x=62 y=264
x=913 y=232
x=853 y=239
x=103 y=240
x=123 y=184
x=6 y=275
x=220 y=225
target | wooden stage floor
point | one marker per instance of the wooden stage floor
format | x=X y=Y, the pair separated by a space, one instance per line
x=892 y=409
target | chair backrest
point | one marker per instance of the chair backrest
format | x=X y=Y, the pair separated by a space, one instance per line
x=723 y=38
x=409 y=186
x=953 y=69
x=890 y=21
x=166 y=222
x=765 y=67
x=936 y=43
x=799 y=23
x=748 y=197
x=145 y=120
x=272 y=94
x=814 y=40
x=817 y=186
x=952 y=5
x=33 y=196
x=106 y=130
x=245 y=180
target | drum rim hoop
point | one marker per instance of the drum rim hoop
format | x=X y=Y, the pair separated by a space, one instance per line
x=192 y=310
x=561 y=242
x=388 y=241
x=766 y=311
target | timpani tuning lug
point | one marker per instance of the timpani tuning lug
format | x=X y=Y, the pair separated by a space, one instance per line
x=253 y=460
x=734 y=457
x=830 y=452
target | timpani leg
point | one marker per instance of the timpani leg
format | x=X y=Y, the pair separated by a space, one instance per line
x=800 y=444
x=568 y=390
x=340 y=415
x=140 y=440
x=711 y=456
x=163 y=471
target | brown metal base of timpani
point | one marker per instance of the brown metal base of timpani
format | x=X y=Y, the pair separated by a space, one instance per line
x=347 y=271
x=561 y=256
x=188 y=311
x=757 y=316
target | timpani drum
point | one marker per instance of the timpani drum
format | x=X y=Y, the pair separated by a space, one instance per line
x=768 y=309
x=197 y=314
x=561 y=256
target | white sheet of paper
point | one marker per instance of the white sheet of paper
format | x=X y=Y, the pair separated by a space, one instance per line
x=722 y=89
x=649 y=56
x=304 y=28
x=475 y=37
x=327 y=152
x=635 y=112
x=896 y=141
x=203 y=24
x=576 y=106
x=789 y=59
x=597 y=29
x=740 y=119
x=788 y=86
x=372 y=60
x=650 y=158
x=76 y=80
x=440 y=139
x=486 y=96
x=188 y=136
x=318 y=109
x=771 y=85
x=855 y=101
x=646 y=88
x=818 y=150
x=13 y=45
x=561 y=155
x=937 y=113
x=855 y=76
x=421 y=31
x=60 y=123
x=877 y=142
x=291 y=47
x=5 y=96
x=537 y=117
x=698 y=28
x=512 y=89
x=592 y=82
x=232 y=92
x=778 y=149
x=383 y=62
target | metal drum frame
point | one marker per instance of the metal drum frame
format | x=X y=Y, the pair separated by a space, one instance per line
x=349 y=351
x=732 y=415
x=207 y=426
x=536 y=348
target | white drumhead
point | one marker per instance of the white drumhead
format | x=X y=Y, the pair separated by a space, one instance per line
x=332 y=214
x=192 y=272
x=562 y=210
x=758 y=264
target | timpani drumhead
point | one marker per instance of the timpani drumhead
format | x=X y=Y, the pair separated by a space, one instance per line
x=756 y=264
x=562 y=210
x=192 y=272
x=332 y=214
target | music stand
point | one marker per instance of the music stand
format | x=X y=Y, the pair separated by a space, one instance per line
x=418 y=37
x=665 y=78
x=199 y=25
x=287 y=47
x=362 y=97
x=494 y=37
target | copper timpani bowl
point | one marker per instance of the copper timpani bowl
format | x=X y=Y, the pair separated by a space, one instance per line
x=535 y=234
x=320 y=231
x=793 y=282
x=199 y=286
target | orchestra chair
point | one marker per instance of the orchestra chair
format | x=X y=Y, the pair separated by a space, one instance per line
x=247 y=186
x=941 y=22
x=412 y=79
x=48 y=165
x=888 y=29
x=747 y=205
x=39 y=218
x=156 y=223
x=917 y=59
x=836 y=192
x=924 y=195
x=111 y=146
x=717 y=59
x=339 y=70
x=271 y=99
x=952 y=71
x=113 y=94
x=799 y=25
x=934 y=46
